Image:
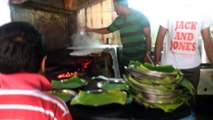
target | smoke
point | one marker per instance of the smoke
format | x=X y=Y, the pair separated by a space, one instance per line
x=84 y=44
x=81 y=38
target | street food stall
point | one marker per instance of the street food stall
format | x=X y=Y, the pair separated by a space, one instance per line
x=98 y=94
x=80 y=71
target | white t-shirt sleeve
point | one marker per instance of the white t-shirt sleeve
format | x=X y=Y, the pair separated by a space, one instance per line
x=207 y=21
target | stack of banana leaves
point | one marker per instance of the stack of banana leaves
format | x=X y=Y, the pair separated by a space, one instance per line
x=162 y=87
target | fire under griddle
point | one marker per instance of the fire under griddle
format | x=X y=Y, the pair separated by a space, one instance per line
x=62 y=64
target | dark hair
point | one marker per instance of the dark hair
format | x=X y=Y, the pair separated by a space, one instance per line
x=122 y=2
x=21 y=48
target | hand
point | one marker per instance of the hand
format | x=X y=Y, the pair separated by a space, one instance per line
x=146 y=60
x=86 y=29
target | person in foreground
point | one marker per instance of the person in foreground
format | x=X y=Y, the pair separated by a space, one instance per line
x=22 y=88
x=134 y=28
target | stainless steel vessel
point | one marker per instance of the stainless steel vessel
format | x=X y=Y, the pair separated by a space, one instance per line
x=205 y=86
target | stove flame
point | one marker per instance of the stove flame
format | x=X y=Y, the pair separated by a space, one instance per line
x=86 y=64
x=83 y=65
x=67 y=75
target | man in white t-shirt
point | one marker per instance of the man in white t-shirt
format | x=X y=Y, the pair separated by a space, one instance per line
x=178 y=37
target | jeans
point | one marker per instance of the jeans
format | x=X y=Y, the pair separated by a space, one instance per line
x=189 y=117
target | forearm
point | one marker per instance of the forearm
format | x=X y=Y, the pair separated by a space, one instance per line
x=158 y=49
x=208 y=45
x=98 y=30
x=209 y=50
x=148 y=44
x=147 y=33
x=159 y=44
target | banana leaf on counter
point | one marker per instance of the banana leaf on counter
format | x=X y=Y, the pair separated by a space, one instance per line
x=70 y=83
x=100 y=98
x=112 y=85
x=167 y=90
x=64 y=94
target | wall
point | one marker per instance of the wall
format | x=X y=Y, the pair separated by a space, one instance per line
x=4 y=12
x=56 y=27
x=98 y=15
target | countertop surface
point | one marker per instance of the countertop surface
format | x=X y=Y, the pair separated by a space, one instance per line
x=134 y=111
x=131 y=111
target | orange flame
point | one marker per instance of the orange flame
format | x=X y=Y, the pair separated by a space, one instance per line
x=67 y=75
x=84 y=65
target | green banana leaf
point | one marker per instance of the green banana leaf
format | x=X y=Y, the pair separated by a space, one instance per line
x=112 y=86
x=188 y=85
x=149 y=84
x=70 y=83
x=99 y=99
x=149 y=67
x=138 y=65
x=163 y=68
x=64 y=96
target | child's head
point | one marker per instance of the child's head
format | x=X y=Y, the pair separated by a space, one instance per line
x=21 y=48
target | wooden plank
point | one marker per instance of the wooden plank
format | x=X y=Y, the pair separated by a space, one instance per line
x=33 y=4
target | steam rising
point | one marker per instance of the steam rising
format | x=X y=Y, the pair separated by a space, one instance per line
x=85 y=44
x=85 y=39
